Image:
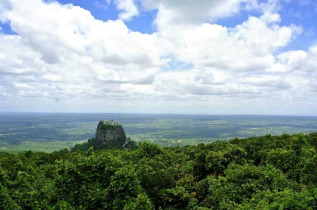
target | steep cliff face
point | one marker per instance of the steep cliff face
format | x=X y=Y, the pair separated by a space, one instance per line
x=111 y=134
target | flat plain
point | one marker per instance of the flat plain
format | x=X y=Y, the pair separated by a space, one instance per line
x=54 y=131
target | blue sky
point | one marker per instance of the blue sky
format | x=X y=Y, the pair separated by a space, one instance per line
x=108 y=11
x=159 y=56
x=299 y=12
x=303 y=13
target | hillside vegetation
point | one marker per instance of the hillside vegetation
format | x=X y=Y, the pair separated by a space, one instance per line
x=268 y=172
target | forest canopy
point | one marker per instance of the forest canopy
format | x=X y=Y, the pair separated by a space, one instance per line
x=267 y=172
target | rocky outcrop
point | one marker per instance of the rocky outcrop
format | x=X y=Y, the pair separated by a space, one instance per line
x=111 y=134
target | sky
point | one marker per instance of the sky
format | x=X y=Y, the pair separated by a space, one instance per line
x=159 y=56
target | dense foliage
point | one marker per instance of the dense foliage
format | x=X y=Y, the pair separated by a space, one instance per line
x=268 y=172
x=94 y=145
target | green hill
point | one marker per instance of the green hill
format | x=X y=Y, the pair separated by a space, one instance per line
x=267 y=172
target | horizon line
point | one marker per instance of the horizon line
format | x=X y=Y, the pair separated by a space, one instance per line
x=149 y=113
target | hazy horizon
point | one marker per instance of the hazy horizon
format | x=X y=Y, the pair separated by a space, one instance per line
x=152 y=113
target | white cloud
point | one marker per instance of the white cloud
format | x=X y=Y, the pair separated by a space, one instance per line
x=62 y=51
x=188 y=11
x=17 y=58
x=246 y=47
x=129 y=9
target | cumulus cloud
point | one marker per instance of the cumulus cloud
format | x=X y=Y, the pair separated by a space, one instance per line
x=128 y=7
x=62 y=51
x=17 y=58
x=191 y=12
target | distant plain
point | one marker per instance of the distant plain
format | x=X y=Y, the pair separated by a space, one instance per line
x=54 y=131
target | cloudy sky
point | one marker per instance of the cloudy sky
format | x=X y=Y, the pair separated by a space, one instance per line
x=159 y=56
